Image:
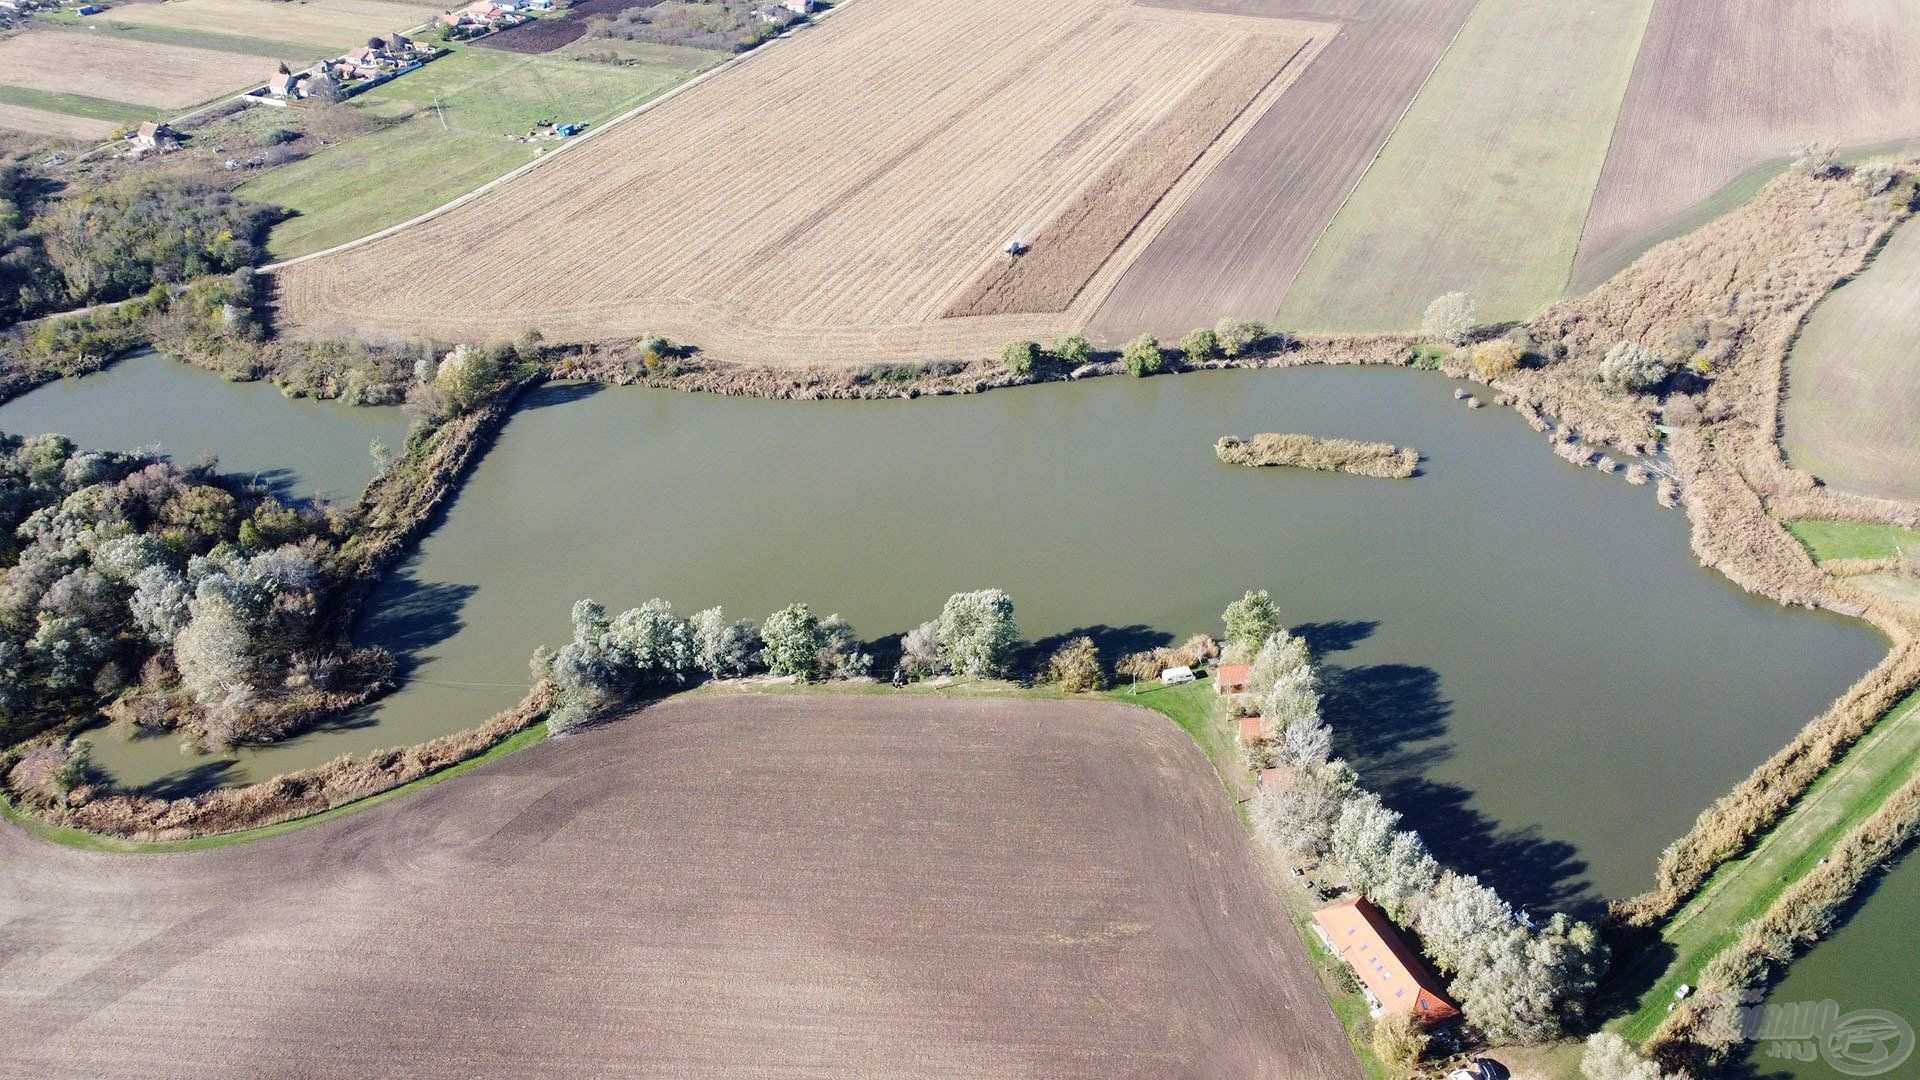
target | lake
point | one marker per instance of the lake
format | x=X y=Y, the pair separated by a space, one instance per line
x=297 y=448
x=1520 y=655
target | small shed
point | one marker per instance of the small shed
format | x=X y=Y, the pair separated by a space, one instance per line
x=1231 y=678
x=1252 y=731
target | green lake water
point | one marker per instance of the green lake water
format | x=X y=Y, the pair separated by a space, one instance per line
x=298 y=448
x=1521 y=655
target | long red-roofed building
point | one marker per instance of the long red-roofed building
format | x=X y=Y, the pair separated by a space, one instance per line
x=1395 y=977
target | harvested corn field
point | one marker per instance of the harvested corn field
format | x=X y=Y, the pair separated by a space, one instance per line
x=117 y=69
x=321 y=24
x=1720 y=88
x=830 y=198
x=899 y=886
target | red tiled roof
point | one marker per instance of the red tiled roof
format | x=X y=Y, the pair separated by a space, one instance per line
x=1250 y=730
x=1369 y=943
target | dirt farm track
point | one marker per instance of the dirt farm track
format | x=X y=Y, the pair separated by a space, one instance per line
x=738 y=885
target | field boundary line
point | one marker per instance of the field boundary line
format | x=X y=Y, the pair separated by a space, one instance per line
x=1613 y=133
x=1439 y=59
x=571 y=143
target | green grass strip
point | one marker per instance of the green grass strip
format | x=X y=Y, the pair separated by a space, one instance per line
x=1742 y=890
x=266 y=48
x=1826 y=539
x=86 y=841
x=93 y=108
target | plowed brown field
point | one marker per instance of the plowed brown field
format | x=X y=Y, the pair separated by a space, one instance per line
x=1719 y=88
x=726 y=886
x=827 y=200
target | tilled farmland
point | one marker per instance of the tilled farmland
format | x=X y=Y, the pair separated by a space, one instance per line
x=827 y=200
x=1720 y=88
x=728 y=885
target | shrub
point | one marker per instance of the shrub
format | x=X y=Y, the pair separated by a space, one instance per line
x=1200 y=346
x=1816 y=159
x=1610 y=1057
x=1141 y=356
x=1076 y=667
x=1239 y=337
x=1020 y=357
x=1072 y=350
x=1874 y=177
x=1497 y=358
x=1450 y=318
x=1632 y=367
x=1399 y=1042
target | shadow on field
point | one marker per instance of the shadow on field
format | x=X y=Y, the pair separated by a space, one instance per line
x=1390 y=722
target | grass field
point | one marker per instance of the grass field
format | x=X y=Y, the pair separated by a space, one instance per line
x=1827 y=539
x=82 y=106
x=1743 y=889
x=462 y=112
x=1853 y=379
x=1484 y=185
x=927 y=135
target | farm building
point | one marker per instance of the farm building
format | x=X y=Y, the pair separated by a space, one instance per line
x=155 y=136
x=1231 y=678
x=1394 y=977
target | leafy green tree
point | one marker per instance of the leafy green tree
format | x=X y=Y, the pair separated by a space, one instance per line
x=1073 y=350
x=1237 y=337
x=1020 y=357
x=792 y=640
x=1251 y=620
x=977 y=633
x=1141 y=356
x=1200 y=346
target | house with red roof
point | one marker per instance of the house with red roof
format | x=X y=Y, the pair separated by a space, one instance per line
x=1395 y=978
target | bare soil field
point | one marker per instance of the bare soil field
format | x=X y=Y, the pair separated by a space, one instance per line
x=1234 y=246
x=730 y=885
x=1852 y=411
x=827 y=200
x=1719 y=89
x=546 y=35
x=137 y=72
x=322 y=24
x=44 y=122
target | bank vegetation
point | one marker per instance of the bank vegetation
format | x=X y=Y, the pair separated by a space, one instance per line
x=1379 y=459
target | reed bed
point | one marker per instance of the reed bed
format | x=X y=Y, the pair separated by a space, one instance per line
x=1325 y=455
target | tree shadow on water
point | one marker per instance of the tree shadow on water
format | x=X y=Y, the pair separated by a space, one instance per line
x=192 y=780
x=1336 y=635
x=409 y=616
x=1111 y=642
x=1390 y=723
x=552 y=394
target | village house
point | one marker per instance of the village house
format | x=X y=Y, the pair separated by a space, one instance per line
x=155 y=136
x=1393 y=977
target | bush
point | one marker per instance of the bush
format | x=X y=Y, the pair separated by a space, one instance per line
x=1072 y=350
x=1141 y=356
x=1020 y=357
x=1076 y=667
x=1497 y=358
x=1399 y=1042
x=1239 y=337
x=1632 y=367
x=1450 y=318
x=791 y=640
x=1200 y=346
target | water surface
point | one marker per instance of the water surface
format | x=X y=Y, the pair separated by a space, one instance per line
x=298 y=448
x=1523 y=656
